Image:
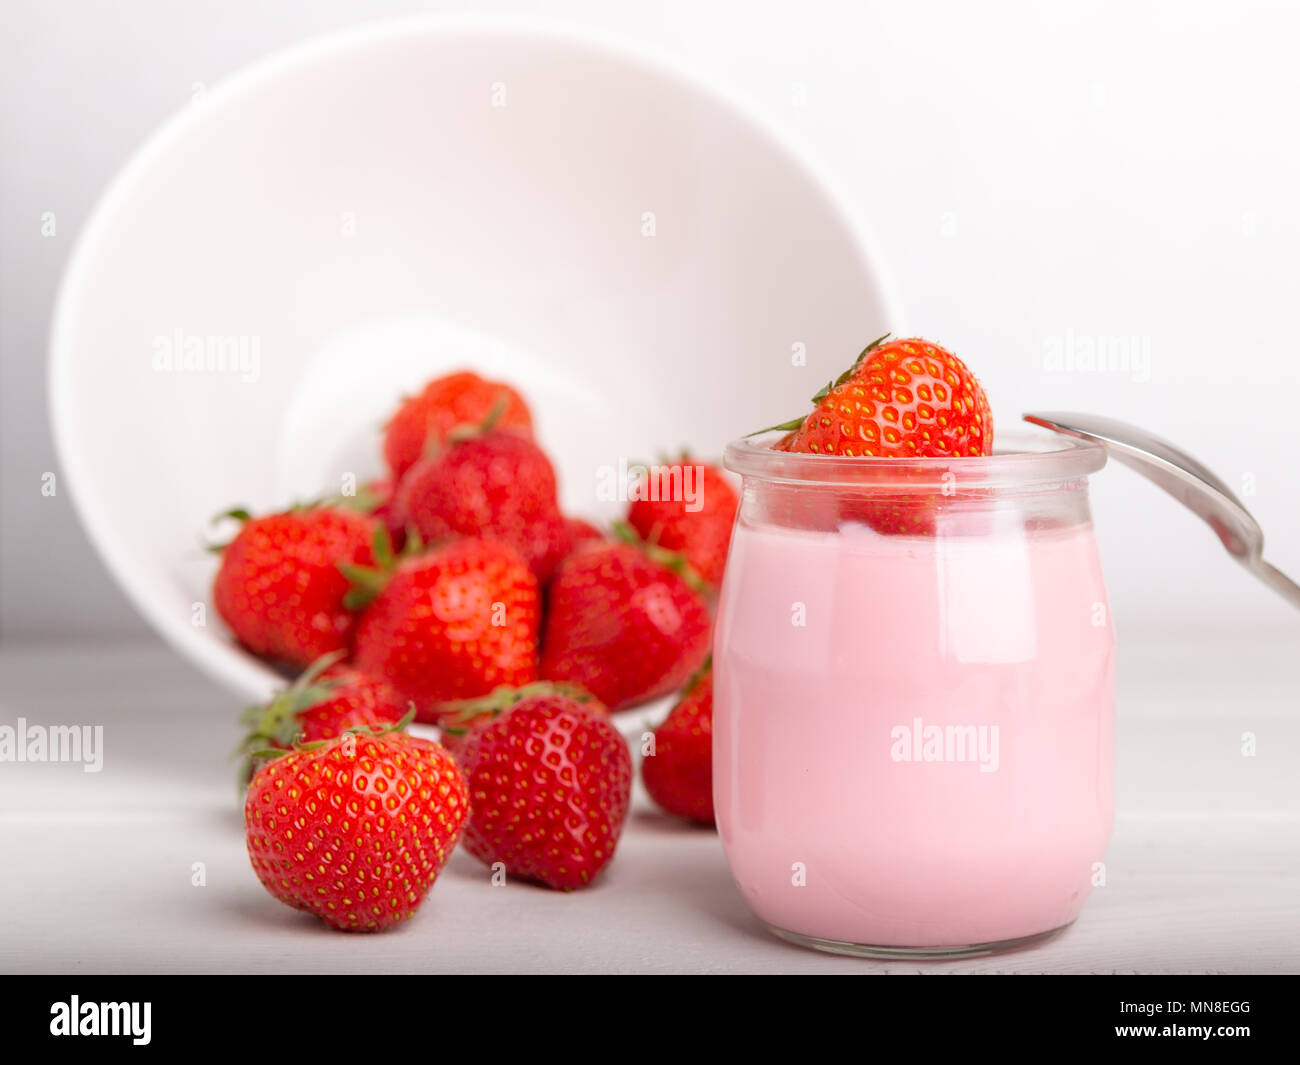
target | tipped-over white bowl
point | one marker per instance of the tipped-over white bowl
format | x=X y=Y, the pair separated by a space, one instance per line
x=357 y=214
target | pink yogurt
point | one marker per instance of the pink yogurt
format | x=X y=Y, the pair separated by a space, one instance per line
x=913 y=735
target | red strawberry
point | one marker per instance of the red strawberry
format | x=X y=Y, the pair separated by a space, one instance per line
x=901 y=399
x=679 y=775
x=451 y=624
x=323 y=702
x=623 y=624
x=424 y=420
x=698 y=528
x=549 y=786
x=497 y=485
x=355 y=830
x=279 y=587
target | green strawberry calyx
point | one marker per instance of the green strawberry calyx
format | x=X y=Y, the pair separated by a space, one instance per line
x=269 y=754
x=459 y=715
x=673 y=561
x=368 y=581
x=826 y=389
x=365 y=500
x=276 y=724
x=698 y=675
x=243 y=515
x=240 y=514
x=458 y=434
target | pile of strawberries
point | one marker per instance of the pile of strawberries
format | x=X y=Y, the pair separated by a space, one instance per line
x=456 y=591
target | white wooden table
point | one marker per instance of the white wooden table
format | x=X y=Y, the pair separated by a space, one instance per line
x=1204 y=866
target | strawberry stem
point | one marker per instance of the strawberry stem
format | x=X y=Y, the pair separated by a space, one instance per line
x=470 y=430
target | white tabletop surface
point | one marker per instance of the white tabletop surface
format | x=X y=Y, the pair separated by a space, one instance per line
x=1203 y=868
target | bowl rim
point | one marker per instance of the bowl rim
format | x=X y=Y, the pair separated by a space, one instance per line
x=226 y=662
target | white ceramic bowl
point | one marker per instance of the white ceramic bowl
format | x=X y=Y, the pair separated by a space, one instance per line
x=379 y=206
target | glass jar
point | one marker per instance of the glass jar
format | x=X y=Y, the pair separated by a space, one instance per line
x=914 y=697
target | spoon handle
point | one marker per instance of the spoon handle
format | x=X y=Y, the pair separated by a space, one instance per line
x=1189 y=481
x=1277 y=580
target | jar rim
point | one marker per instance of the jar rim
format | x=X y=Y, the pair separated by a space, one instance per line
x=1021 y=457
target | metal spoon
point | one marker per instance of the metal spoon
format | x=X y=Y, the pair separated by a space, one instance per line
x=1186 y=480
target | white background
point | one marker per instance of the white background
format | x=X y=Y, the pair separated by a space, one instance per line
x=1031 y=171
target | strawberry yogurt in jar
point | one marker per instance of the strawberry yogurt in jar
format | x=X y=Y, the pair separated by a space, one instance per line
x=914 y=697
